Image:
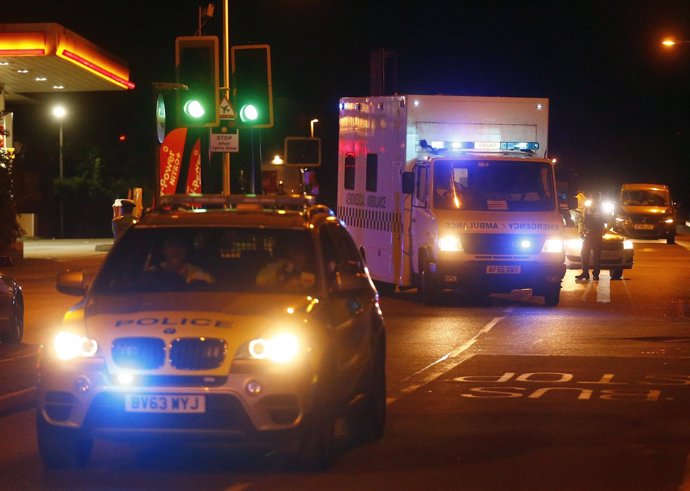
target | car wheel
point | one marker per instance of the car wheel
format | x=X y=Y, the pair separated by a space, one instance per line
x=428 y=286
x=671 y=239
x=552 y=295
x=317 y=443
x=14 y=331
x=371 y=421
x=616 y=274
x=61 y=448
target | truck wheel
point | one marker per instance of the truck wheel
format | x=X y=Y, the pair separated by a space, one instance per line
x=317 y=443
x=385 y=289
x=428 y=286
x=552 y=295
x=15 y=323
x=61 y=448
x=617 y=273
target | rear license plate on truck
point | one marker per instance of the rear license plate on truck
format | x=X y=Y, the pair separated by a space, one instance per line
x=144 y=403
x=503 y=269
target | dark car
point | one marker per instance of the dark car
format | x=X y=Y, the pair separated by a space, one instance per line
x=646 y=211
x=250 y=321
x=11 y=307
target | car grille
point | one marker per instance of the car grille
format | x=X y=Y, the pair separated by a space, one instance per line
x=649 y=219
x=141 y=353
x=502 y=244
x=197 y=353
x=184 y=354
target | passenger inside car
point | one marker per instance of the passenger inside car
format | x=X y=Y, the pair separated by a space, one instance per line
x=291 y=267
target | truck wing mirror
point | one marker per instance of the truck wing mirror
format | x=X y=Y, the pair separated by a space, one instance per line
x=408 y=182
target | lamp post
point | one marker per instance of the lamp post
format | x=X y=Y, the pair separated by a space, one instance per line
x=59 y=113
x=311 y=126
x=670 y=42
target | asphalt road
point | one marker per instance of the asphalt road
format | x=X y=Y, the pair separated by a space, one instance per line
x=502 y=394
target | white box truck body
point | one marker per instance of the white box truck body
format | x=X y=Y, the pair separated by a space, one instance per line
x=450 y=192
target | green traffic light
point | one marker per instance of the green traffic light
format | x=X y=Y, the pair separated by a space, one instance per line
x=194 y=109
x=249 y=112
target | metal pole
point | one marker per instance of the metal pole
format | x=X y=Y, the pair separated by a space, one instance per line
x=226 y=84
x=62 y=208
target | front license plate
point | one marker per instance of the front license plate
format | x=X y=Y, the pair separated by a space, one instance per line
x=503 y=269
x=644 y=226
x=144 y=403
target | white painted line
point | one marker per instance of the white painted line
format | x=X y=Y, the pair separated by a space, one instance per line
x=604 y=290
x=456 y=352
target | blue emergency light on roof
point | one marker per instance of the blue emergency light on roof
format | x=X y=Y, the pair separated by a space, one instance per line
x=491 y=146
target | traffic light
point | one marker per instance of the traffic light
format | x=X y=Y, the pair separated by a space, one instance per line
x=196 y=63
x=251 y=85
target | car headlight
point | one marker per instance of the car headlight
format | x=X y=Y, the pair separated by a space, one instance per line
x=281 y=348
x=627 y=244
x=575 y=244
x=67 y=346
x=552 y=245
x=450 y=243
x=620 y=219
x=669 y=220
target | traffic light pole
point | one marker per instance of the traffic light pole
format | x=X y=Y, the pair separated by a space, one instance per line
x=226 y=87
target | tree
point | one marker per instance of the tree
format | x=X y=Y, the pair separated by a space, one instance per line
x=10 y=230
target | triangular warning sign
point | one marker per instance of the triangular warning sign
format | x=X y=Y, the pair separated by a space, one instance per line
x=225 y=110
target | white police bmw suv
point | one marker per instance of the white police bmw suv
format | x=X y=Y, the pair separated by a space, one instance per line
x=251 y=320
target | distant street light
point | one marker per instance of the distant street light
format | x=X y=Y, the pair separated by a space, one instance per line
x=59 y=113
x=670 y=42
x=311 y=126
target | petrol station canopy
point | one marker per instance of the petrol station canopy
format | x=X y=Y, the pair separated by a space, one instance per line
x=49 y=58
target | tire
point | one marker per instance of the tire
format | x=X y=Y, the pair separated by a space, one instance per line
x=671 y=239
x=385 y=289
x=371 y=421
x=316 y=448
x=617 y=273
x=14 y=332
x=429 y=290
x=552 y=295
x=61 y=448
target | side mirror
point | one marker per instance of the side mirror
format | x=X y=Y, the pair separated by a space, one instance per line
x=348 y=283
x=408 y=182
x=71 y=283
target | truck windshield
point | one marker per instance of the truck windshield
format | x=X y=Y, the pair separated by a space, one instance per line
x=479 y=185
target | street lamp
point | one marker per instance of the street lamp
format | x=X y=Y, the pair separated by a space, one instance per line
x=670 y=42
x=59 y=113
x=311 y=126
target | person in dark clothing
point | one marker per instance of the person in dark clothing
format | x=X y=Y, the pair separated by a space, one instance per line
x=594 y=228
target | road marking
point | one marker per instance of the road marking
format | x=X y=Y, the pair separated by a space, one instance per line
x=432 y=373
x=604 y=290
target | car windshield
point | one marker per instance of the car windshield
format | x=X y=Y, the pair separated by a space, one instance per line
x=215 y=259
x=490 y=185
x=645 y=197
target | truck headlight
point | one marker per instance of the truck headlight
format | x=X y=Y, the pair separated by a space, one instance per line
x=450 y=243
x=627 y=244
x=552 y=245
x=281 y=348
x=68 y=346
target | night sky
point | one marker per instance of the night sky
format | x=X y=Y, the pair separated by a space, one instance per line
x=620 y=104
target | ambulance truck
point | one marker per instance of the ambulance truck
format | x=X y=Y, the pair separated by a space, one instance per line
x=451 y=192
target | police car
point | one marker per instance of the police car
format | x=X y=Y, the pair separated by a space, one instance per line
x=250 y=320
